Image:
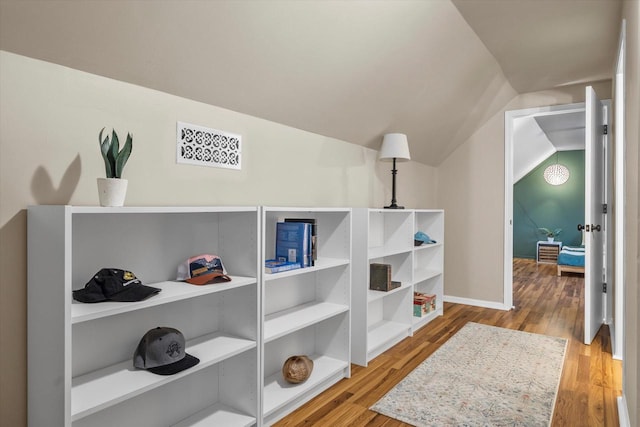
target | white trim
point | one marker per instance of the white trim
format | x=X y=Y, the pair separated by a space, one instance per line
x=477 y=303
x=618 y=334
x=623 y=412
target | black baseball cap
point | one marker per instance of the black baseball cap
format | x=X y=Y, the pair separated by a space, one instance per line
x=162 y=351
x=114 y=284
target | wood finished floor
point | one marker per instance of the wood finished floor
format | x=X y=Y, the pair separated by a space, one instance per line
x=544 y=303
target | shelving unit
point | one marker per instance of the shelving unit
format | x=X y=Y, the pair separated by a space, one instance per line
x=306 y=311
x=80 y=355
x=382 y=319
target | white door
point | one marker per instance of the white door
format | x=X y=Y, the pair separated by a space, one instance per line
x=593 y=215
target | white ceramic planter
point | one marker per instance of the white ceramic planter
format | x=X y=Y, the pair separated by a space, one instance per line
x=112 y=191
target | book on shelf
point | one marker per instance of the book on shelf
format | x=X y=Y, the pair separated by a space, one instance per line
x=380 y=277
x=293 y=242
x=314 y=236
x=276 y=266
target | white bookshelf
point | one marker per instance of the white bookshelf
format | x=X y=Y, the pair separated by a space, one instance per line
x=306 y=311
x=382 y=319
x=80 y=355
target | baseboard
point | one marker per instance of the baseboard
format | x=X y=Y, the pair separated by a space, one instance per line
x=623 y=412
x=476 y=302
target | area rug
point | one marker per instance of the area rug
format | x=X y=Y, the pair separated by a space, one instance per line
x=482 y=376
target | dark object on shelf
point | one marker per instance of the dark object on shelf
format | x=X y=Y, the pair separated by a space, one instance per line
x=297 y=369
x=114 y=284
x=417 y=242
x=380 y=277
x=162 y=351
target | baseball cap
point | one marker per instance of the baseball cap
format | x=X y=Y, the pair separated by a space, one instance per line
x=114 y=284
x=423 y=237
x=202 y=270
x=162 y=351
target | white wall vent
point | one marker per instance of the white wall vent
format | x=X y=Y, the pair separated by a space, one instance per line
x=198 y=145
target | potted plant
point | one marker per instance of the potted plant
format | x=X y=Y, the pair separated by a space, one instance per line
x=551 y=234
x=113 y=189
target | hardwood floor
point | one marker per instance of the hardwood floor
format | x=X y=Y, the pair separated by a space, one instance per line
x=544 y=303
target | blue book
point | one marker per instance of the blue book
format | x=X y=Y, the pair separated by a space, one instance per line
x=276 y=266
x=293 y=242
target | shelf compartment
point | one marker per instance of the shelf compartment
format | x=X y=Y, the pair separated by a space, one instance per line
x=381 y=251
x=218 y=415
x=376 y=295
x=290 y=320
x=171 y=291
x=106 y=387
x=320 y=264
x=278 y=393
x=385 y=332
x=425 y=274
x=419 y=322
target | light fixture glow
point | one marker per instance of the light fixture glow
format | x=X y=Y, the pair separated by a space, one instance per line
x=556 y=174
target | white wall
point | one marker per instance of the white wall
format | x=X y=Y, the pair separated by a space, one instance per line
x=50 y=117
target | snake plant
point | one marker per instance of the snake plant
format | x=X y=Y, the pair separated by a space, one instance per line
x=114 y=158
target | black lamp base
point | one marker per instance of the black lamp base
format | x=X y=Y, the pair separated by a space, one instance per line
x=393 y=204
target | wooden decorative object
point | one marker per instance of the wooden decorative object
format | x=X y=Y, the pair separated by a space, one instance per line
x=297 y=369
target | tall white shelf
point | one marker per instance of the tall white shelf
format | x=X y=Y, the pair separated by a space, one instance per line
x=382 y=319
x=306 y=311
x=80 y=355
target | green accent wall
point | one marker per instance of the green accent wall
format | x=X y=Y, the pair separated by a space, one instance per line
x=538 y=204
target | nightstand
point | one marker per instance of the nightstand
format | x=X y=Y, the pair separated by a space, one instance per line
x=547 y=252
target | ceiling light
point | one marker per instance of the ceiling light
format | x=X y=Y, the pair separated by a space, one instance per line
x=556 y=174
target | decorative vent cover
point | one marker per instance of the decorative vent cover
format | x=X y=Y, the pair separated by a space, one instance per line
x=198 y=145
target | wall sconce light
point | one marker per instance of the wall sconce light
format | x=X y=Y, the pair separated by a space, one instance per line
x=394 y=147
x=556 y=174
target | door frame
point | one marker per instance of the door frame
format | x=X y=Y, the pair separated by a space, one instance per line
x=509 y=117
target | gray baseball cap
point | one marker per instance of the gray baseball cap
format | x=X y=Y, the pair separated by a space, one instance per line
x=162 y=351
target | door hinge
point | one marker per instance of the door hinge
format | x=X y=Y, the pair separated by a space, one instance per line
x=604 y=288
x=604 y=208
x=605 y=129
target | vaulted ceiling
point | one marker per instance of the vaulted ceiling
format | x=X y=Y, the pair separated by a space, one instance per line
x=352 y=70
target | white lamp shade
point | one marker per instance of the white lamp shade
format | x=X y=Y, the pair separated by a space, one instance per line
x=395 y=146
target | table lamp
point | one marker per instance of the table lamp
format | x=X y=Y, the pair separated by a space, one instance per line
x=394 y=147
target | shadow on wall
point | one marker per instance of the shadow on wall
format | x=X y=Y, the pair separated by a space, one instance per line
x=45 y=193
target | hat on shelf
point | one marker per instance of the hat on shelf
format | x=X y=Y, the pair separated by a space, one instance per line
x=162 y=351
x=202 y=270
x=421 y=238
x=114 y=284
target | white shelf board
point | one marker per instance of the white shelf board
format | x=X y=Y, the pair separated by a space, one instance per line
x=376 y=295
x=427 y=246
x=310 y=210
x=218 y=415
x=320 y=264
x=385 y=331
x=106 y=387
x=161 y=209
x=286 y=321
x=171 y=291
x=419 y=322
x=424 y=274
x=278 y=393
x=383 y=251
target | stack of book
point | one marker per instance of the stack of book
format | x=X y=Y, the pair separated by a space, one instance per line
x=296 y=245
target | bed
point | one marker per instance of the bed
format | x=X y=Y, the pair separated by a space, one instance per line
x=571 y=260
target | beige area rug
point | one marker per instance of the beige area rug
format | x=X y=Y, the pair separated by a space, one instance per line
x=482 y=376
